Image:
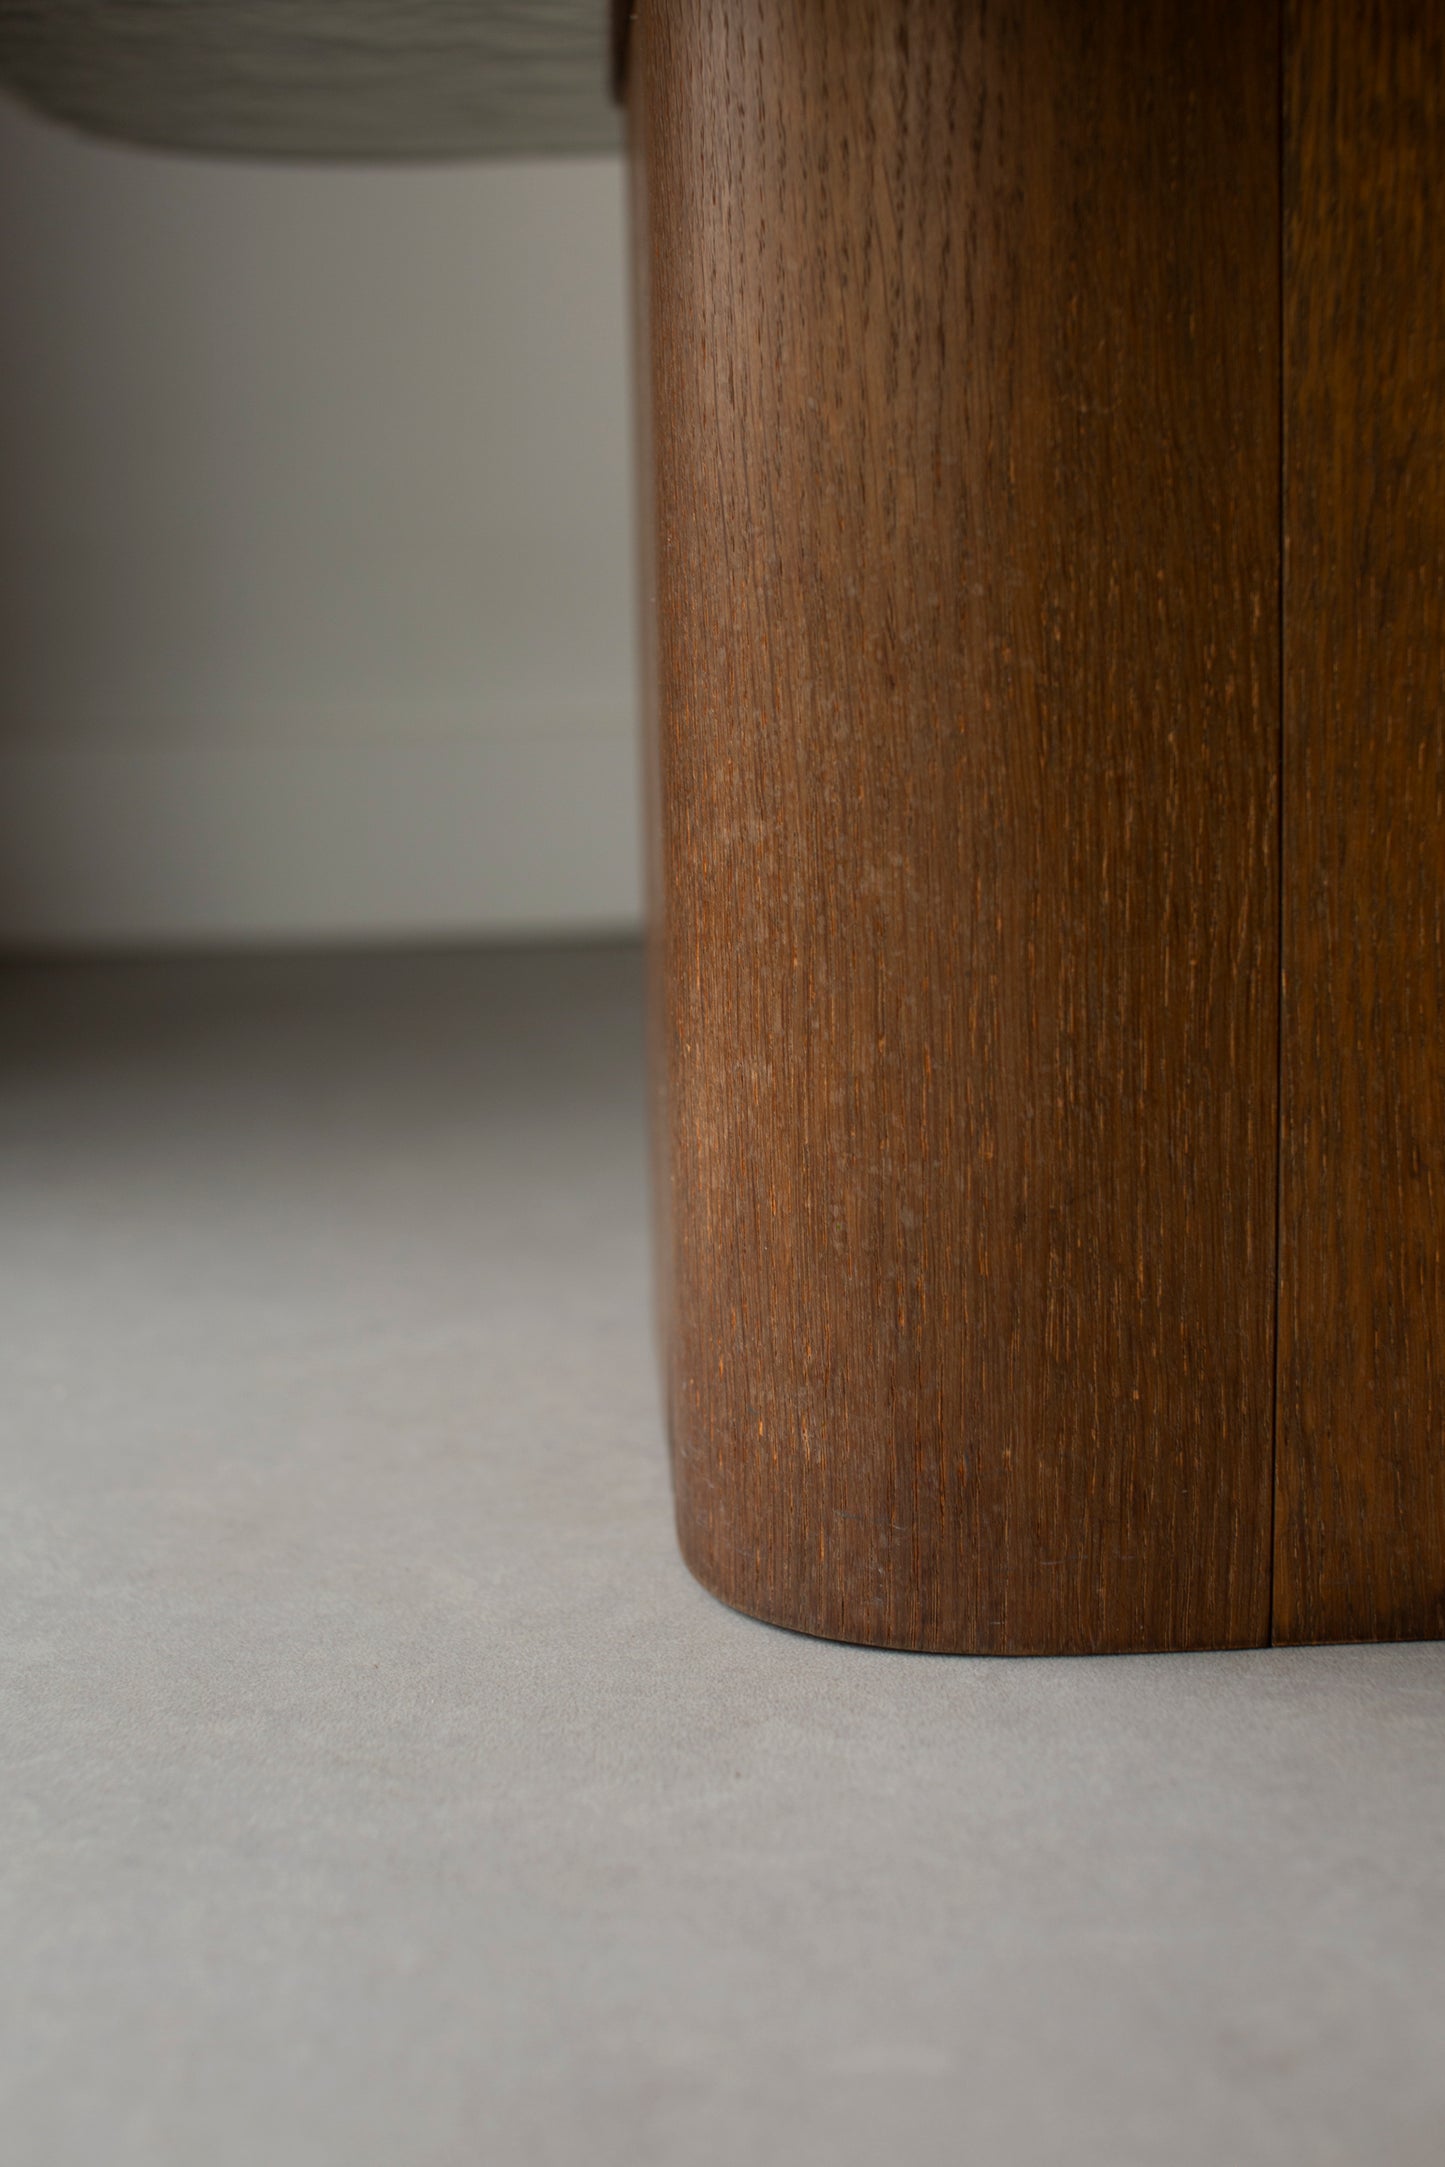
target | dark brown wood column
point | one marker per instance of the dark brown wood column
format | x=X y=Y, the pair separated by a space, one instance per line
x=962 y=364
x=1361 y=1552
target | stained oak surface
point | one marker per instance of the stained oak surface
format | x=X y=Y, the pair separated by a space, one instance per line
x=963 y=378
x=1361 y=1471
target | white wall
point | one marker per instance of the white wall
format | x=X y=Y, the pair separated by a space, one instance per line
x=316 y=612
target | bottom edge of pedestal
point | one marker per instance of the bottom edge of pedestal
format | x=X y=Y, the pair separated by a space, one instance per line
x=1004 y=1646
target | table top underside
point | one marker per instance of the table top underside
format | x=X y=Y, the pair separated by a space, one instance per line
x=321 y=78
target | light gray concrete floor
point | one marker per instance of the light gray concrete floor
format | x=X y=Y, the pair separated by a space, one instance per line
x=378 y=1789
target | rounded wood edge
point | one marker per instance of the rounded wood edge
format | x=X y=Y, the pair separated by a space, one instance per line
x=784 y=1620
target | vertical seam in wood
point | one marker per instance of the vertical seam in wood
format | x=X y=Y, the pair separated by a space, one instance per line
x=1280 y=745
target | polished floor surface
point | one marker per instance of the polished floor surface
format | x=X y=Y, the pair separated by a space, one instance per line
x=377 y=1789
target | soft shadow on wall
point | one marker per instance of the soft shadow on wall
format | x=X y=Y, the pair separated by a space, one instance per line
x=316 y=596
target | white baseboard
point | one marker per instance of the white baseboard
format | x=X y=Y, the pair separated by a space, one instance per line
x=174 y=845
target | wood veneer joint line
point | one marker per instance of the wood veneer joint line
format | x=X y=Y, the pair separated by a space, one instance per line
x=1280 y=741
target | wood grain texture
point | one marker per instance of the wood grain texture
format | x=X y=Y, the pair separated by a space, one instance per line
x=1361 y=1468
x=963 y=372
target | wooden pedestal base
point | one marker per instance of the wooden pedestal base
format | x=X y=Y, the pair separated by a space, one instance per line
x=966 y=348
